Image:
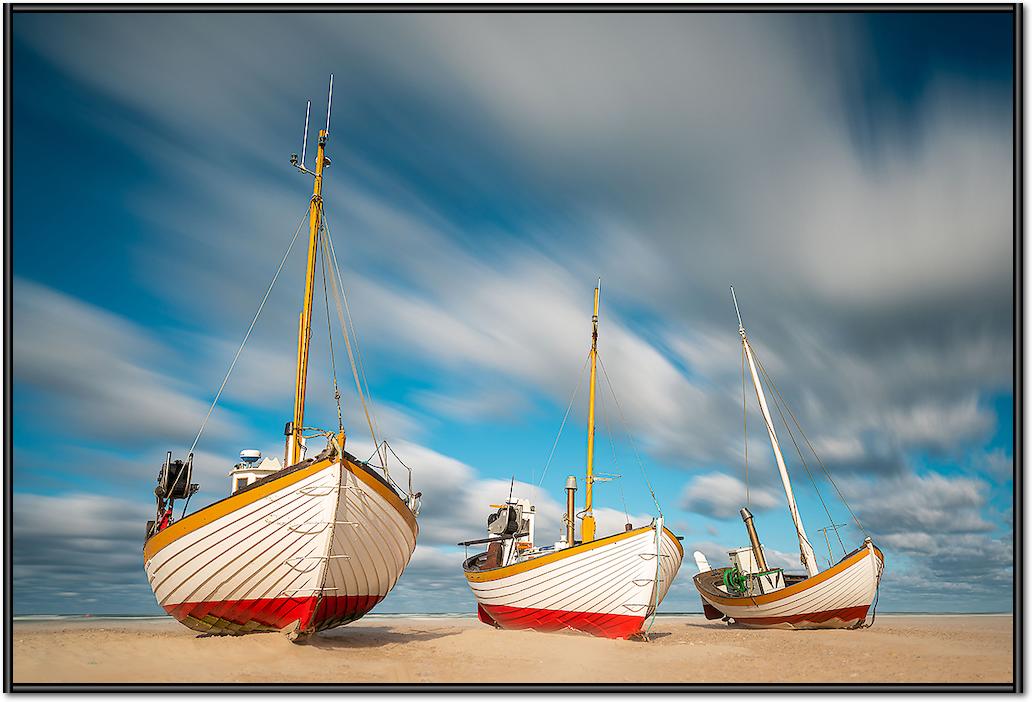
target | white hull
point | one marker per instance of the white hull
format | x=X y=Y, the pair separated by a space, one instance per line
x=607 y=587
x=836 y=598
x=315 y=548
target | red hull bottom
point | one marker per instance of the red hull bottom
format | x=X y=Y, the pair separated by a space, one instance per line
x=847 y=616
x=311 y=613
x=610 y=626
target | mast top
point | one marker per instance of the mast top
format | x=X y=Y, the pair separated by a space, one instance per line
x=323 y=136
x=741 y=328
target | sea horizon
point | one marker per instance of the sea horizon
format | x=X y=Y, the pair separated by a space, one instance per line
x=437 y=615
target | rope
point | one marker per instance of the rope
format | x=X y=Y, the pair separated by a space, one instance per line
x=655 y=587
x=814 y=452
x=745 y=432
x=580 y=378
x=791 y=435
x=612 y=447
x=333 y=357
x=630 y=437
x=769 y=425
x=339 y=294
x=390 y=448
x=248 y=334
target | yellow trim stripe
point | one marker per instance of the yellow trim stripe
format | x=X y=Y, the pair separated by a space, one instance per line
x=798 y=587
x=385 y=492
x=676 y=541
x=483 y=576
x=209 y=514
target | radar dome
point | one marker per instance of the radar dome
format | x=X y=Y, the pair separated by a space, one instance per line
x=250 y=455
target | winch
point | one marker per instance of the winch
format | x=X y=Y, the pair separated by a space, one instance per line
x=173 y=484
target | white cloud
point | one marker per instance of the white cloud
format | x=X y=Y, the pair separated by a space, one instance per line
x=97 y=373
x=938 y=426
x=720 y=496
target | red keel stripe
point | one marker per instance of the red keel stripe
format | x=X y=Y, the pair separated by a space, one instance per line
x=846 y=614
x=611 y=626
x=241 y=616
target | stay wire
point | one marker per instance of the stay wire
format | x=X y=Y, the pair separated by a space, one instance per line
x=338 y=293
x=630 y=437
x=770 y=429
x=814 y=452
x=357 y=368
x=573 y=396
x=329 y=336
x=745 y=432
x=612 y=446
x=778 y=401
x=247 y=335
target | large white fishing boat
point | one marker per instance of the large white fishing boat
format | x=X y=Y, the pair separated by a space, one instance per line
x=606 y=586
x=310 y=546
x=753 y=594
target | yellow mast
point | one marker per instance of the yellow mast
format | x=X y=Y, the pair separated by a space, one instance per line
x=304 y=334
x=588 y=528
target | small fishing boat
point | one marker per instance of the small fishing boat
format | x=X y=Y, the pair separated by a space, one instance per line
x=302 y=548
x=606 y=586
x=751 y=593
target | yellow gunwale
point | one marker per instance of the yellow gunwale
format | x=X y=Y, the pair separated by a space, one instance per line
x=798 y=587
x=216 y=510
x=482 y=576
x=366 y=477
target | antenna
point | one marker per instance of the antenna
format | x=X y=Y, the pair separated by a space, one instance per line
x=304 y=142
x=740 y=327
x=329 y=103
x=831 y=556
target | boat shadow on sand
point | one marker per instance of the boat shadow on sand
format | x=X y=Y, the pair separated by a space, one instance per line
x=372 y=637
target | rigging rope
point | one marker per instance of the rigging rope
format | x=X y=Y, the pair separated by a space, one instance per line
x=359 y=376
x=580 y=378
x=248 y=334
x=329 y=336
x=337 y=287
x=630 y=437
x=612 y=446
x=814 y=452
x=770 y=428
x=791 y=435
x=745 y=432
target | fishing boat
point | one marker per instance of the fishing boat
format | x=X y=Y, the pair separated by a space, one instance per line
x=607 y=586
x=305 y=547
x=751 y=593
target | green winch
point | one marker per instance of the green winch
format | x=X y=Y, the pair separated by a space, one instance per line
x=735 y=581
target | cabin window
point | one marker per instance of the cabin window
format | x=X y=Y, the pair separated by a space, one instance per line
x=241 y=483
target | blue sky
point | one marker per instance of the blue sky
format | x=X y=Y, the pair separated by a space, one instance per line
x=851 y=174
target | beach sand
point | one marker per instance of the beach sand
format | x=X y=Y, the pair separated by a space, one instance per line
x=899 y=648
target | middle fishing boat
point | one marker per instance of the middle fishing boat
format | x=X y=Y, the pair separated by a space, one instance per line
x=605 y=586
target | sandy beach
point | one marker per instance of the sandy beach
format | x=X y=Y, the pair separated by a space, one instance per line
x=899 y=648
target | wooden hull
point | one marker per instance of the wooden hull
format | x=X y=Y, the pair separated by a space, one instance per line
x=836 y=598
x=606 y=587
x=314 y=548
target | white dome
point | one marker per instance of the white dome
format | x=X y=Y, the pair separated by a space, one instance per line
x=250 y=455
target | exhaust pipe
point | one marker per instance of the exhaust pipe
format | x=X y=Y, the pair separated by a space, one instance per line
x=571 y=488
x=747 y=517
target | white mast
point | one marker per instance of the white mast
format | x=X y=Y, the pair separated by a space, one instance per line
x=806 y=554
